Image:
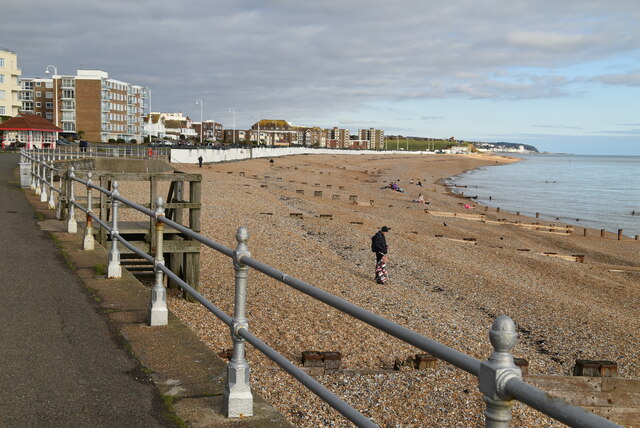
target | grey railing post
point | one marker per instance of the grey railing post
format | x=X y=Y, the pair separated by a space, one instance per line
x=72 y=226
x=495 y=373
x=238 y=398
x=33 y=171
x=52 y=199
x=38 y=189
x=114 y=270
x=158 y=312
x=88 y=242
x=43 y=181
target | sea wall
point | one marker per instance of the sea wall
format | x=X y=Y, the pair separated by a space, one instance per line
x=214 y=155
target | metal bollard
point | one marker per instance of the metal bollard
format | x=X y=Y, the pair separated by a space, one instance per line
x=495 y=373
x=158 y=312
x=88 y=242
x=114 y=270
x=72 y=225
x=43 y=183
x=238 y=398
x=52 y=199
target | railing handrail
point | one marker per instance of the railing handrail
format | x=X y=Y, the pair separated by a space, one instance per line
x=500 y=380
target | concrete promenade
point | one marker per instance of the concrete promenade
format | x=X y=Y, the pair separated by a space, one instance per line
x=74 y=346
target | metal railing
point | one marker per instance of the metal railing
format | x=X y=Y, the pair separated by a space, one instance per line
x=103 y=151
x=500 y=381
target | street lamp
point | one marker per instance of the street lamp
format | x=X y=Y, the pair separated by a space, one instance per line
x=234 y=125
x=55 y=90
x=149 y=121
x=199 y=101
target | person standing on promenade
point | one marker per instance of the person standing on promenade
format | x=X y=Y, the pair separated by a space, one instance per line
x=379 y=245
x=200 y=161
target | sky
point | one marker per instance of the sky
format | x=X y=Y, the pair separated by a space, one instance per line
x=563 y=76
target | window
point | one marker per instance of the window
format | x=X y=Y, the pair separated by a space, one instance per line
x=38 y=94
x=2 y=95
x=68 y=105
x=2 y=63
x=2 y=108
x=67 y=82
x=49 y=115
x=38 y=105
x=1 y=78
x=48 y=84
x=68 y=115
x=68 y=93
x=38 y=84
x=49 y=105
x=68 y=126
x=48 y=95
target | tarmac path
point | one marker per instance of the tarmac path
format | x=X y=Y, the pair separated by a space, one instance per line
x=60 y=362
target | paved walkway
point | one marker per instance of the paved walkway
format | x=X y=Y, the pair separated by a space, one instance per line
x=60 y=362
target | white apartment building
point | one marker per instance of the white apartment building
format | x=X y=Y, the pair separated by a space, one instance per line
x=9 y=85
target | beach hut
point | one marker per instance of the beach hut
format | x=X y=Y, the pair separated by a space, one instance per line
x=30 y=131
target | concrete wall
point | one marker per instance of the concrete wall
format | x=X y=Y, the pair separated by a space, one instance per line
x=214 y=155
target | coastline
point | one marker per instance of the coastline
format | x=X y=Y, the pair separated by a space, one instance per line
x=441 y=286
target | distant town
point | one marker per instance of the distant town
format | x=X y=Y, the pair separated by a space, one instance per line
x=91 y=106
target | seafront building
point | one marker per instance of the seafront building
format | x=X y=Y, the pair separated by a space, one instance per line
x=374 y=136
x=87 y=105
x=9 y=84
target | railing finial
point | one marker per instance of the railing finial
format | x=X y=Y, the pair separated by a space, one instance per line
x=495 y=373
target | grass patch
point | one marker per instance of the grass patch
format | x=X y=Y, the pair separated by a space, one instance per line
x=170 y=413
x=100 y=269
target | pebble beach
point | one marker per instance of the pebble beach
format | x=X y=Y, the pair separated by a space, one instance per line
x=451 y=275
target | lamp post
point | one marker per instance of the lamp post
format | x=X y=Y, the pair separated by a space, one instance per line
x=149 y=121
x=55 y=90
x=199 y=101
x=234 y=125
x=397 y=142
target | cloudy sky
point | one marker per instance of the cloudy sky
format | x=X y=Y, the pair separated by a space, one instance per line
x=561 y=75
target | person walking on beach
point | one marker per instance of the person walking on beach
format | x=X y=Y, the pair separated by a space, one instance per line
x=380 y=247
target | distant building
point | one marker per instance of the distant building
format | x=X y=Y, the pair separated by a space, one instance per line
x=275 y=132
x=374 y=136
x=88 y=104
x=311 y=136
x=211 y=131
x=178 y=126
x=30 y=131
x=337 y=138
x=153 y=125
x=9 y=84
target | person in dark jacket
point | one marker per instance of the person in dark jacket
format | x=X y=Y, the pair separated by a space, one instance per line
x=379 y=243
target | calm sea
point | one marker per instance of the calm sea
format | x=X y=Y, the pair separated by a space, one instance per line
x=599 y=192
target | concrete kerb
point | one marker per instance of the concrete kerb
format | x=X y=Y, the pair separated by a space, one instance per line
x=180 y=365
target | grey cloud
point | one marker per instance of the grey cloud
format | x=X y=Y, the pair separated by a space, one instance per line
x=631 y=78
x=301 y=60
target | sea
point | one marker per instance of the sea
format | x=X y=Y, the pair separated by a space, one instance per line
x=599 y=192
